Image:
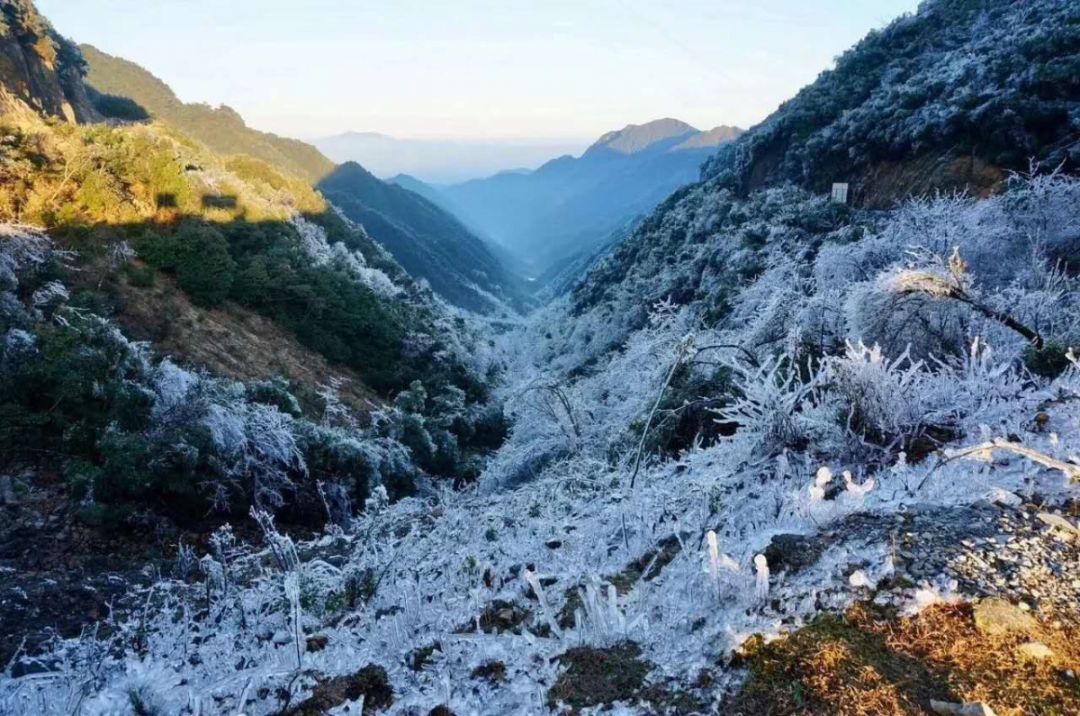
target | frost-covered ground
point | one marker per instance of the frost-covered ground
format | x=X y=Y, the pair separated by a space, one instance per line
x=843 y=357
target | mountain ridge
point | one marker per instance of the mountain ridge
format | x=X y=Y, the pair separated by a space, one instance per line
x=571 y=205
x=393 y=223
x=777 y=454
x=919 y=106
x=220 y=128
x=440 y=161
x=634 y=138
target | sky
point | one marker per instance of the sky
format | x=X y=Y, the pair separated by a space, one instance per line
x=472 y=69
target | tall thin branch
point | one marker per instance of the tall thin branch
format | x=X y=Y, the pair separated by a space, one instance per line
x=680 y=352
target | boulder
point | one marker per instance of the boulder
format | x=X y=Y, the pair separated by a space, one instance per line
x=995 y=616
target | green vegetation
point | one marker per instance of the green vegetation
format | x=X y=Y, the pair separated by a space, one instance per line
x=222 y=227
x=869 y=662
x=1050 y=362
x=141 y=205
x=123 y=90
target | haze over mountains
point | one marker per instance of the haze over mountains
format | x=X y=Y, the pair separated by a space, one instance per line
x=426 y=240
x=571 y=206
x=545 y=223
x=442 y=161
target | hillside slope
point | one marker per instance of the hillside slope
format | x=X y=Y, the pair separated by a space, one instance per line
x=570 y=205
x=241 y=279
x=113 y=79
x=428 y=241
x=953 y=96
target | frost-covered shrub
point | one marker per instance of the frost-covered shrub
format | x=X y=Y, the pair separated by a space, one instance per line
x=147 y=434
x=879 y=402
x=992 y=79
x=880 y=313
x=315 y=243
x=769 y=407
x=258 y=448
x=275 y=392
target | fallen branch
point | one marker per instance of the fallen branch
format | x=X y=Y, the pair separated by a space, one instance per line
x=985 y=451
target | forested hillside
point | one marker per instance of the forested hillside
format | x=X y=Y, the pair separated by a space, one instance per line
x=138 y=268
x=123 y=90
x=774 y=454
x=954 y=96
x=426 y=240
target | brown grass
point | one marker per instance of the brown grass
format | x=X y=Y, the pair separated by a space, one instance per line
x=866 y=663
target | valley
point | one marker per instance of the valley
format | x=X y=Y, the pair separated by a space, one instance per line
x=661 y=428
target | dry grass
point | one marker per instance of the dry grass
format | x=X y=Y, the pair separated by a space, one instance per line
x=868 y=664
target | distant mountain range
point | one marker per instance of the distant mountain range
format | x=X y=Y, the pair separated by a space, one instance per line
x=441 y=161
x=571 y=206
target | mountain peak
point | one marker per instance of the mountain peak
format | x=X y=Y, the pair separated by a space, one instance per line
x=634 y=138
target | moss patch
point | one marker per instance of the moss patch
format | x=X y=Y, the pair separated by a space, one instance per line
x=866 y=662
x=370 y=682
x=493 y=671
x=600 y=676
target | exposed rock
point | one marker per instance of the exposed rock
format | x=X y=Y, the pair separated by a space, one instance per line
x=40 y=71
x=996 y=616
x=793 y=552
x=969 y=709
x=1035 y=650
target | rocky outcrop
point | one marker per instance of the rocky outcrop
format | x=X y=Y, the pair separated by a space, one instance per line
x=40 y=71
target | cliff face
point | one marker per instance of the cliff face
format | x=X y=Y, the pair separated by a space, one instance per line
x=40 y=71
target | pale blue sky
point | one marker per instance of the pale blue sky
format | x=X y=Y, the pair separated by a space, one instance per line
x=478 y=68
